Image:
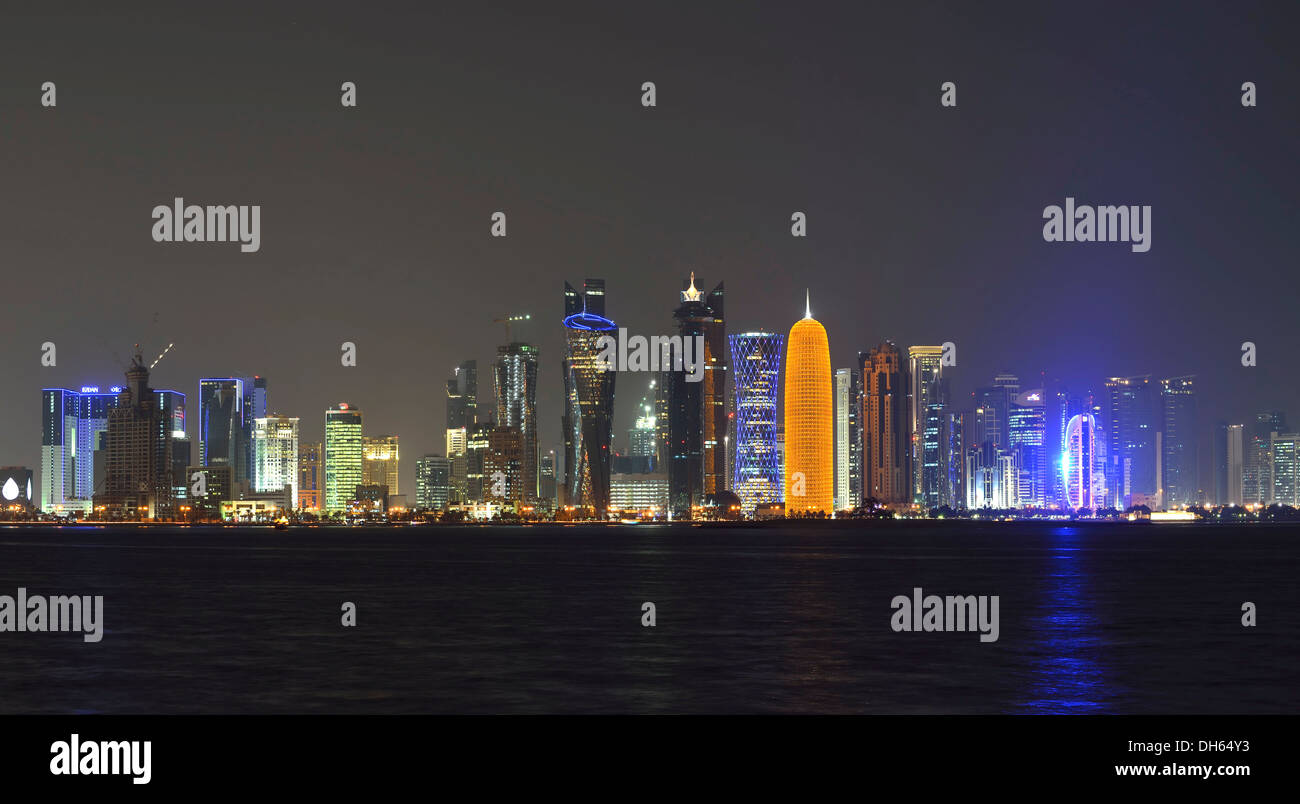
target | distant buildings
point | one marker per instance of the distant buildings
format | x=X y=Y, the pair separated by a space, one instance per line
x=275 y=456
x=697 y=411
x=432 y=482
x=380 y=463
x=924 y=383
x=885 y=436
x=1085 y=479
x=311 y=476
x=1179 y=440
x=516 y=392
x=137 y=452
x=844 y=403
x=71 y=423
x=344 y=456
x=809 y=428
x=756 y=470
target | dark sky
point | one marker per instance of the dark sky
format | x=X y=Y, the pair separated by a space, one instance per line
x=925 y=223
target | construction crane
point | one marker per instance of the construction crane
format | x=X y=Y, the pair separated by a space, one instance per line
x=507 y=320
x=161 y=356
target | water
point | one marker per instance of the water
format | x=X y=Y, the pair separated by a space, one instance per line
x=1094 y=619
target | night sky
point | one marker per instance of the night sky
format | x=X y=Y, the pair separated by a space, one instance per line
x=924 y=223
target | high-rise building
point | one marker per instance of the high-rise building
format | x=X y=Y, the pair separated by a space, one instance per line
x=844 y=402
x=432 y=482
x=225 y=426
x=516 y=387
x=1236 y=469
x=855 y=438
x=1085 y=479
x=380 y=463
x=310 y=476
x=71 y=422
x=462 y=396
x=809 y=419
x=344 y=456
x=589 y=400
x=1026 y=431
x=885 y=437
x=697 y=411
x=275 y=455
x=503 y=480
x=924 y=370
x=547 y=488
x=1257 y=481
x=1219 y=462
x=137 y=452
x=1178 y=397
x=1130 y=419
x=756 y=470
x=1285 y=449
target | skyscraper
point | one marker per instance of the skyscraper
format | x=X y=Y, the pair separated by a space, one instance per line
x=380 y=463
x=516 y=387
x=1130 y=420
x=697 y=411
x=275 y=455
x=1257 y=481
x=589 y=400
x=1236 y=471
x=885 y=437
x=1285 y=449
x=310 y=476
x=547 y=488
x=344 y=461
x=756 y=470
x=432 y=482
x=1178 y=397
x=225 y=427
x=71 y=422
x=1026 y=431
x=462 y=396
x=137 y=451
x=809 y=419
x=844 y=402
x=924 y=370
x=1085 y=482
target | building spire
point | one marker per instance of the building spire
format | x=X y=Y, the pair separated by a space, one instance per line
x=807 y=300
x=691 y=294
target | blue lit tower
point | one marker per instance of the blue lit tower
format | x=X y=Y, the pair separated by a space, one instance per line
x=588 y=419
x=756 y=471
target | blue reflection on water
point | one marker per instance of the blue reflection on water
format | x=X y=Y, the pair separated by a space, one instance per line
x=1067 y=674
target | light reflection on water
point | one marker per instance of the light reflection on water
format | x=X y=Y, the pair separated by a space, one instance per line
x=1068 y=675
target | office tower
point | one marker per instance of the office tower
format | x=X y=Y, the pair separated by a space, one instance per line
x=1130 y=418
x=924 y=370
x=996 y=400
x=660 y=387
x=223 y=427
x=1257 y=482
x=1219 y=464
x=432 y=482
x=476 y=448
x=257 y=400
x=637 y=493
x=809 y=414
x=217 y=487
x=697 y=411
x=503 y=479
x=275 y=456
x=756 y=470
x=643 y=436
x=137 y=452
x=885 y=437
x=380 y=463
x=344 y=456
x=844 y=402
x=516 y=387
x=547 y=477
x=71 y=422
x=462 y=396
x=855 y=438
x=1085 y=478
x=933 y=445
x=1178 y=399
x=952 y=448
x=1235 y=451
x=1286 y=483
x=310 y=476
x=1026 y=429
x=587 y=421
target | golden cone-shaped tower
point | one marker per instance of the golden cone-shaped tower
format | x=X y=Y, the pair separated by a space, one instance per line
x=809 y=419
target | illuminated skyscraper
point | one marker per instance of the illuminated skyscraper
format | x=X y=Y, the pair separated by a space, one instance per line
x=1179 y=447
x=224 y=430
x=844 y=403
x=344 y=456
x=275 y=455
x=589 y=400
x=71 y=422
x=1131 y=440
x=1257 y=469
x=1026 y=430
x=380 y=463
x=138 y=451
x=516 y=386
x=432 y=482
x=924 y=369
x=756 y=470
x=697 y=411
x=885 y=438
x=1285 y=450
x=1084 y=462
x=809 y=419
x=310 y=476
x=1235 y=448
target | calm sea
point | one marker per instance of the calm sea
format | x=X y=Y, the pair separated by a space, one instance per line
x=1093 y=619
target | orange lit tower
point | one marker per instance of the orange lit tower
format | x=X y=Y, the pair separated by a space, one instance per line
x=809 y=423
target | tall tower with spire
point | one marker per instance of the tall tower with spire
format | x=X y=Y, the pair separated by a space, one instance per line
x=809 y=418
x=697 y=411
